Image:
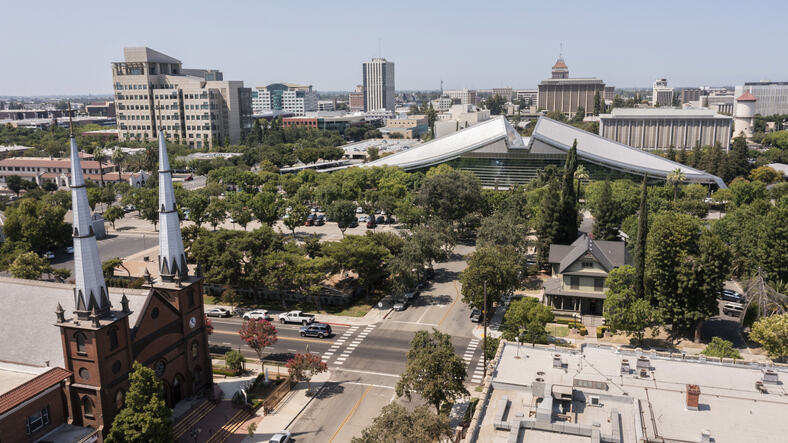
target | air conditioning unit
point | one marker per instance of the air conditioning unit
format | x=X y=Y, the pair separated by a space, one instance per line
x=593 y=400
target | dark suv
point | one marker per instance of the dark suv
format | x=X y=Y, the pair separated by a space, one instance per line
x=320 y=330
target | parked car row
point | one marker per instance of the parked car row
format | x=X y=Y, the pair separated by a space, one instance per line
x=731 y=295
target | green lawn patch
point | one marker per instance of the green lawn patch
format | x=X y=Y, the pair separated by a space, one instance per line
x=557 y=330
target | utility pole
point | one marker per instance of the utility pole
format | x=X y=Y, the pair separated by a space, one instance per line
x=484 y=341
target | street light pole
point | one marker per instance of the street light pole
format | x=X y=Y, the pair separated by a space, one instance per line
x=484 y=342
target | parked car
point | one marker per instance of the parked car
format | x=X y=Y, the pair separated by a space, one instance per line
x=359 y=210
x=282 y=436
x=476 y=316
x=353 y=223
x=410 y=295
x=729 y=295
x=49 y=255
x=310 y=220
x=371 y=224
x=380 y=219
x=320 y=330
x=400 y=305
x=320 y=220
x=218 y=312
x=733 y=309
x=129 y=208
x=296 y=317
x=363 y=218
x=257 y=314
x=69 y=249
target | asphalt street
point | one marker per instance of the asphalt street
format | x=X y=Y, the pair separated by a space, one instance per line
x=289 y=341
x=114 y=245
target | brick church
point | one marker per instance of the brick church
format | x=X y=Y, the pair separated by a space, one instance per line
x=67 y=350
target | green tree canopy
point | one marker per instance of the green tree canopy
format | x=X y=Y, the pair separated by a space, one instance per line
x=145 y=417
x=772 y=334
x=397 y=424
x=433 y=370
x=526 y=318
x=497 y=268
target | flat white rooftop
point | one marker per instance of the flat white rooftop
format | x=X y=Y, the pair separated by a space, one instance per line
x=731 y=408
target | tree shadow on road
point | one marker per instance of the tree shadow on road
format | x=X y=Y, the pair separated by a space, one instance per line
x=445 y=276
x=428 y=300
x=329 y=390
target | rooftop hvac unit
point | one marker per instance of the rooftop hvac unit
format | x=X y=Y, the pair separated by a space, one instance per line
x=594 y=400
x=770 y=376
x=643 y=363
x=625 y=366
x=557 y=363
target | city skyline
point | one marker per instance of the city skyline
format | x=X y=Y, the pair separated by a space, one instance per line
x=620 y=43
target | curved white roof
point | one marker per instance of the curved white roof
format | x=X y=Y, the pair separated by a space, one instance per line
x=451 y=146
x=606 y=152
x=590 y=147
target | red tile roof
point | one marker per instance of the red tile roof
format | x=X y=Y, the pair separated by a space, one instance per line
x=31 y=388
x=560 y=64
x=38 y=162
x=746 y=97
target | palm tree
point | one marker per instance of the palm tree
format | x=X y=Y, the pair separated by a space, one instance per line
x=675 y=177
x=581 y=173
x=99 y=156
x=118 y=157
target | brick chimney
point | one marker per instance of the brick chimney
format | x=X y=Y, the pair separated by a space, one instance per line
x=693 y=394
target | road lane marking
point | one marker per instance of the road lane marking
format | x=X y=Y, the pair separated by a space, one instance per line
x=413 y=323
x=456 y=289
x=352 y=411
x=384 y=374
x=369 y=384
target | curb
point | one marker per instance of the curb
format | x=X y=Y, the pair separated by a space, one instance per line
x=336 y=324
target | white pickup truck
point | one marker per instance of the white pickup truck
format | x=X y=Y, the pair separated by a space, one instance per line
x=296 y=317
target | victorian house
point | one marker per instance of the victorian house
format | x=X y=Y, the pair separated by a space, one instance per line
x=579 y=272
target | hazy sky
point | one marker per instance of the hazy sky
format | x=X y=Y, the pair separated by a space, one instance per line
x=57 y=47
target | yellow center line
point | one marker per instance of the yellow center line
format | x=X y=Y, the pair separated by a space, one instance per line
x=457 y=290
x=352 y=411
x=308 y=340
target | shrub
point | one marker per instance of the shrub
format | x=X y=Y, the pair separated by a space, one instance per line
x=600 y=331
x=583 y=331
x=721 y=348
x=234 y=361
x=220 y=370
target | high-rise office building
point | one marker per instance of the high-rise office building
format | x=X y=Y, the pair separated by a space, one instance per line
x=564 y=94
x=196 y=107
x=661 y=94
x=690 y=95
x=378 y=85
x=286 y=97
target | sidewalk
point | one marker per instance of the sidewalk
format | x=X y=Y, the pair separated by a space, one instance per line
x=285 y=413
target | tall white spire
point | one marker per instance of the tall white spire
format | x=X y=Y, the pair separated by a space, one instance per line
x=91 y=291
x=171 y=257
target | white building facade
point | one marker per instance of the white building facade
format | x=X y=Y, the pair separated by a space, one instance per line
x=378 y=76
x=285 y=97
x=652 y=129
x=771 y=97
x=661 y=94
x=462 y=96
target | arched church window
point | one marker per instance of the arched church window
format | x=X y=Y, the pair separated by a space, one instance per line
x=87 y=406
x=195 y=349
x=80 y=339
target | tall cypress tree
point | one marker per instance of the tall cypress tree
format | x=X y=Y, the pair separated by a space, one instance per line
x=606 y=221
x=640 y=243
x=567 y=218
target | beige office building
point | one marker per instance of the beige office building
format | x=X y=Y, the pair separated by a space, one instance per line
x=659 y=128
x=462 y=96
x=196 y=107
x=563 y=94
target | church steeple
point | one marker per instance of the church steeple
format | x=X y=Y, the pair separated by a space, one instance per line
x=172 y=260
x=90 y=293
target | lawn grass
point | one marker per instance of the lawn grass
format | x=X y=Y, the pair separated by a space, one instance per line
x=557 y=330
